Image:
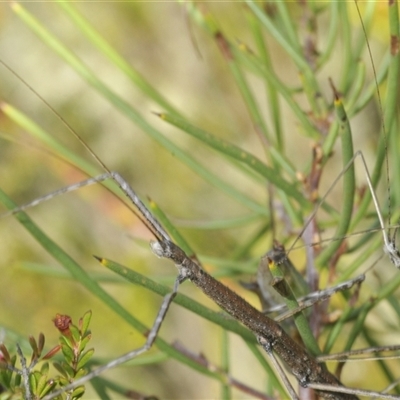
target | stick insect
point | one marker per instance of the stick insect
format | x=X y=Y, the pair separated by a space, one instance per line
x=161 y=252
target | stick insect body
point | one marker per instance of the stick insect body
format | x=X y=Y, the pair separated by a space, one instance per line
x=269 y=334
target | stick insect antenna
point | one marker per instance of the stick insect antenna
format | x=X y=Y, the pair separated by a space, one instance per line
x=143 y=213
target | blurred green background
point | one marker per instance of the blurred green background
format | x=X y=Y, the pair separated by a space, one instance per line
x=183 y=63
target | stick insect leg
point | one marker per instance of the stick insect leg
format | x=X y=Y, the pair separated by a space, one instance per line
x=389 y=243
x=147 y=219
x=267 y=346
x=152 y=222
x=56 y=193
x=151 y=337
x=317 y=297
x=356 y=392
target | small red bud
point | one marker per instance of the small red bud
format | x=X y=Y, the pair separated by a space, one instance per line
x=62 y=323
